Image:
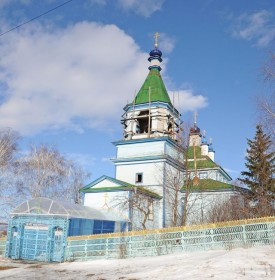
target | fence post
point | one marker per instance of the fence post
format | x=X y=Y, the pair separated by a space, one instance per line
x=85 y=249
x=212 y=238
x=244 y=235
x=182 y=241
x=106 y=247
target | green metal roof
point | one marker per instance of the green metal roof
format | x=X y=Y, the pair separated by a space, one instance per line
x=202 y=161
x=210 y=185
x=158 y=90
x=120 y=186
x=190 y=152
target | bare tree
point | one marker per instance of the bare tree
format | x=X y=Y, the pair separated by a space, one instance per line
x=142 y=207
x=180 y=189
x=266 y=113
x=140 y=202
x=266 y=101
x=234 y=208
x=8 y=147
x=44 y=171
x=8 y=150
x=173 y=186
x=76 y=180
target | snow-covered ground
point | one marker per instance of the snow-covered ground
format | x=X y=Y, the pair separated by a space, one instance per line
x=240 y=263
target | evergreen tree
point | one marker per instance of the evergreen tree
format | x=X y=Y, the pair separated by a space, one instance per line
x=260 y=164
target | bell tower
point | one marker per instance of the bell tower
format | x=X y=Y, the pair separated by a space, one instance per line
x=151 y=160
x=151 y=114
x=150 y=149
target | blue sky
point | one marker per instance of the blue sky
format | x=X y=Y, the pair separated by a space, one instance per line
x=65 y=78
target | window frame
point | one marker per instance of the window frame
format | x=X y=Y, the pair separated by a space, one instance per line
x=137 y=177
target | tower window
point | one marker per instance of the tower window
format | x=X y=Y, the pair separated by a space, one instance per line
x=139 y=177
x=143 y=122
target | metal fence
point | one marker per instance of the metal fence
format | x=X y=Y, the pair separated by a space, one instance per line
x=2 y=246
x=244 y=233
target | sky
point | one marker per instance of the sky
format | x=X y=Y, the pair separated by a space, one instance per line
x=66 y=76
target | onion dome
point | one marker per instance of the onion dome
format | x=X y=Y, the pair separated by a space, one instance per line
x=195 y=130
x=203 y=140
x=155 y=52
x=155 y=59
x=211 y=149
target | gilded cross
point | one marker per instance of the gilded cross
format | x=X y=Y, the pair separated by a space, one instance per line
x=156 y=39
x=105 y=205
x=195 y=117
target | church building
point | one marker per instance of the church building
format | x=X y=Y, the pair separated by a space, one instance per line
x=157 y=180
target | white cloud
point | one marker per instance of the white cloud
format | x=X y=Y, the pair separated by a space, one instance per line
x=73 y=78
x=141 y=7
x=107 y=159
x=229 y=170
x=4 y=3
x=186 y=100
x=83 y=160
x=166 y=43
x=258 y=27
x=67 y=78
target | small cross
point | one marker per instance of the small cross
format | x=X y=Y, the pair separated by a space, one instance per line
x=156 y=39
x=195 y=117
x=105 y=205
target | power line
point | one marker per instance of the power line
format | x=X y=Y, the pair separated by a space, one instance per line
x=47 y=12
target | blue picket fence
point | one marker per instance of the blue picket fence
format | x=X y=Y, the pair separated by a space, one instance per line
x=228 y=235
x=2 y=246
x=170 y=240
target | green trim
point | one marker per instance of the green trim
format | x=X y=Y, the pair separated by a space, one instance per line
x=210 y=185
x=158 y=90
x=123 y=186
x=148 y=192
x=101 y=189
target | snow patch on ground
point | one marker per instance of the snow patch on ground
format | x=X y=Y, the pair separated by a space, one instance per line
x=240 y=263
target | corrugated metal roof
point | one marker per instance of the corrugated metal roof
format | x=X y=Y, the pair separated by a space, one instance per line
x=50 y=207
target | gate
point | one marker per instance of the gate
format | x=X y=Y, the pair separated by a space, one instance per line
x=35 y=237
x=35 y=242
x=58 y=245
x=14 y=243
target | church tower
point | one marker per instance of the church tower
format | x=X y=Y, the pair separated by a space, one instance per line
x=151 y=114
x=149 y=148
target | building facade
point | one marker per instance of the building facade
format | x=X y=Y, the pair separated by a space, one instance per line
x=152 y=166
